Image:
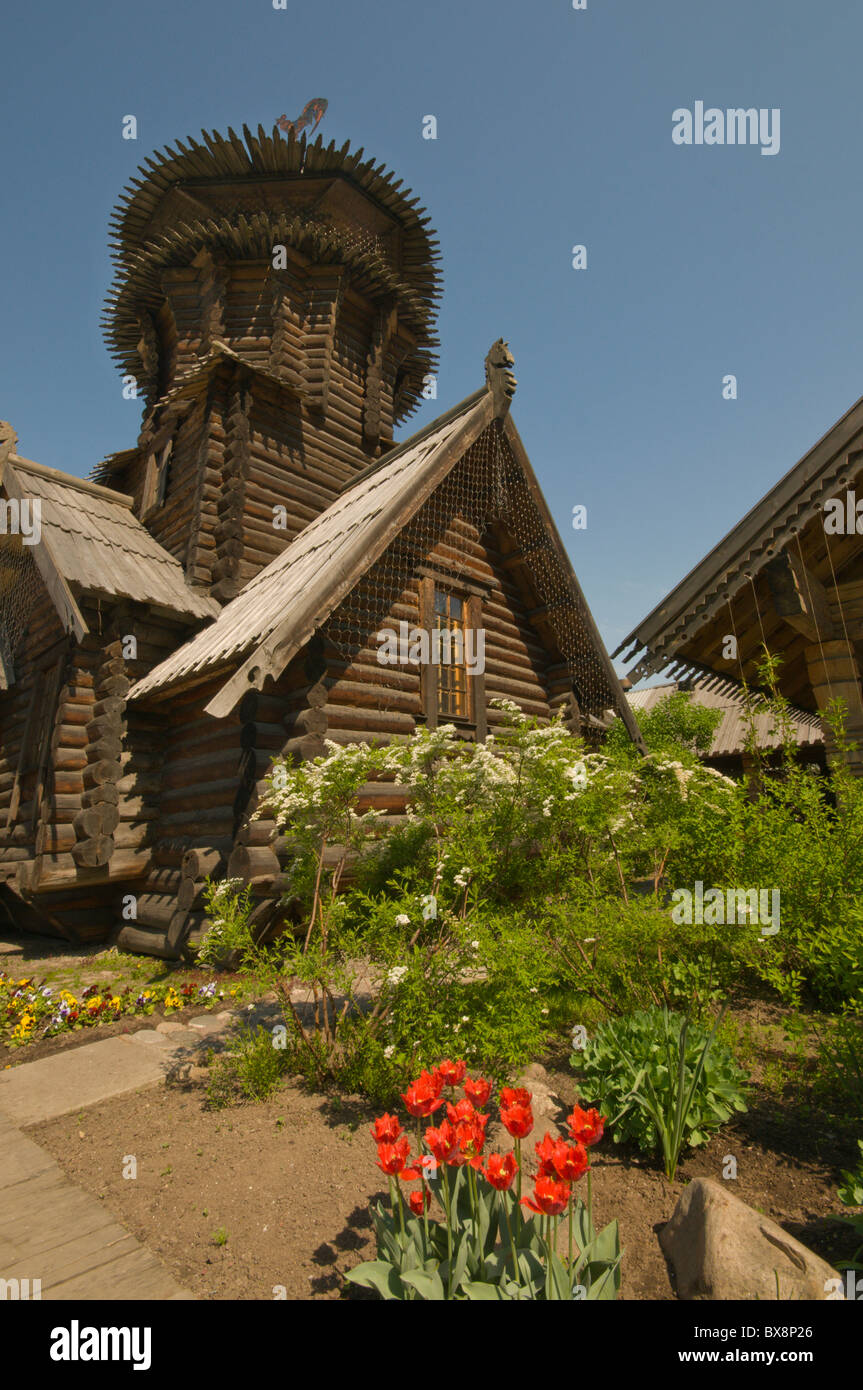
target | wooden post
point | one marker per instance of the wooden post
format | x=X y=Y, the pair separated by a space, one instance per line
x=834 y=674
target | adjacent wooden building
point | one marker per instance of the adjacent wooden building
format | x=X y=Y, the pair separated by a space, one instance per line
x=788 y=578
x=212 y=599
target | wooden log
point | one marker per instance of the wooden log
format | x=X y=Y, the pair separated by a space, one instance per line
x=251 y=861
x=304 y=748
x=93 y=853
x=106 y=792
x=110 y=708
x=106 y=725
x=55 y=839
x=69 y=782
x=69 y=736
x=143 y=942
x=155 y=909
x=203 y=863
x=257 y=832
x=136 y=808
x=133 y=834
x=310 y=721
x=16 y=854
x=178 y=929
x=189 y=894
x=218 y=821
x=204 y=769
x=101 y=819
x=115 y=685
x=109 y=746
x=69 y=759
x=170 y=850
x=99 y=773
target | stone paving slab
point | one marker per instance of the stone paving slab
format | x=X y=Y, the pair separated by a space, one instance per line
x=94 y=1072
x=81 y=1076
x=53 y=1231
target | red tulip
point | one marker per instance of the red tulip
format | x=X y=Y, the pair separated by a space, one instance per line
x=422 y=1097
x=386 y=1130
x=569 y=1161
x=463 y=1110
x=549 y=1197
x=477 y=1091
x=419 y=1202
x=517 y=1120
x=545 y=1154
x=471 y=1138
x=515 y=1095
x=393 y=1160
x=443 y=1142
x=586 y=1126
x=449 y=1072
x=500 y=1170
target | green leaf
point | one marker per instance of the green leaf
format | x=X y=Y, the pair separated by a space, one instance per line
x=428 y=1285
x=477 y=1292
x=378 y=1275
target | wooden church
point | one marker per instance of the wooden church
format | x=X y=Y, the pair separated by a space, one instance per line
x=212 y=598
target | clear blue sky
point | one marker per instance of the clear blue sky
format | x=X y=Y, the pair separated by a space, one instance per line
x=554 y=128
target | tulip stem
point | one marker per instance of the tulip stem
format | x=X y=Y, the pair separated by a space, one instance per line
x=448 y=1204
x=548 y=1273
x=518 y=1161
x=423 y=1189
x=474 y=1198
x=570 y=1239
x=515 y=1270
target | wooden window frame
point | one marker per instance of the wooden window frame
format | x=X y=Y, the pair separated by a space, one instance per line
x=156 y=479
x=475 y=720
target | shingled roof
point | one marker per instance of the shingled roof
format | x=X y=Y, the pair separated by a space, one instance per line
x=92 y=541
x=730 y=735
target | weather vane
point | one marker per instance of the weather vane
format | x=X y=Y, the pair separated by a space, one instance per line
x=313 y=110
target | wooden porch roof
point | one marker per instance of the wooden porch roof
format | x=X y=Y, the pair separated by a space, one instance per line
x=670 y=631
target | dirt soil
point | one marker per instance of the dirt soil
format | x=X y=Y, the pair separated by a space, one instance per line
x=288 y=1183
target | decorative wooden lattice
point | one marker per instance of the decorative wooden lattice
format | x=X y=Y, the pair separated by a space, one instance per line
x=19 y=585
x=486 y=488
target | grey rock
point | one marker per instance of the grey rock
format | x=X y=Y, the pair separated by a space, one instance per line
x=719 y=1248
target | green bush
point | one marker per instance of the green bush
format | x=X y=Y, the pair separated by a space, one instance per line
x=851 y=1195
x=509 y=894
x=631 y=955
x=250 y=1070
x=634 y=1061
x=839 y=1080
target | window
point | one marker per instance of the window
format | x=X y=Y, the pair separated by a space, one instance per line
x=453 y=687
x=156 y=480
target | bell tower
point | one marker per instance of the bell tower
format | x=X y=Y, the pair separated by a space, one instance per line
x=274 y=309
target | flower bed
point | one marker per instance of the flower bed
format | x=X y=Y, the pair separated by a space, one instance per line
x=486 y=1247
x=30 y=1011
